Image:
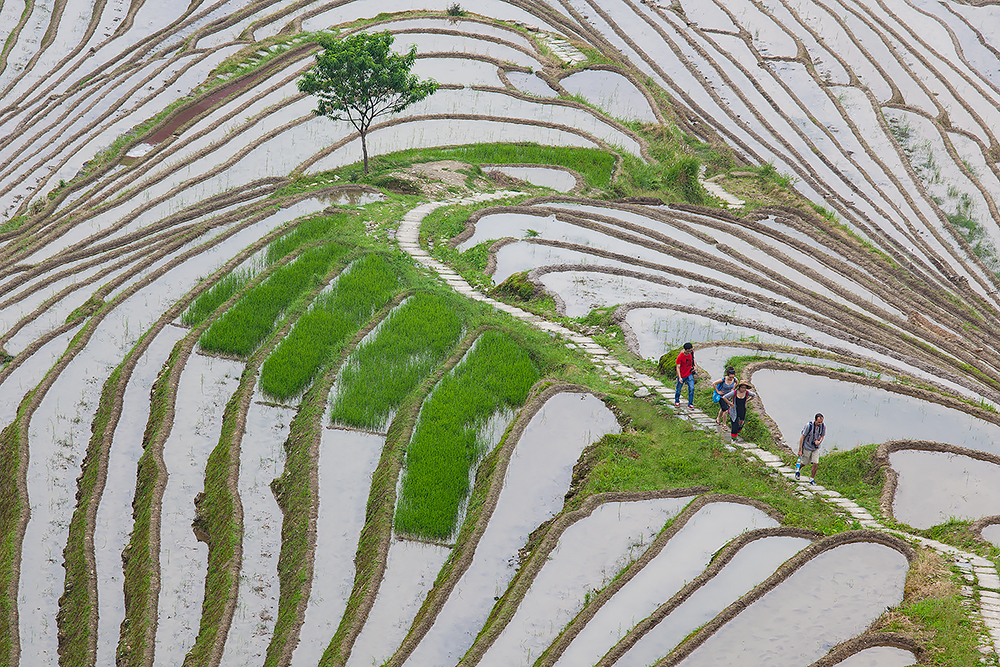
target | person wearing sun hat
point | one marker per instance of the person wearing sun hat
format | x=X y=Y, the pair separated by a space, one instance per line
x=737 y=400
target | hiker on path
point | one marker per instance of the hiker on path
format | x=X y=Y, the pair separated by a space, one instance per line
x=737 y=400
x=809 y=442
x=685 y=375
x=723 y=386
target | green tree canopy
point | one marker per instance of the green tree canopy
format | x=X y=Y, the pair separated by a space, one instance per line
x=360 y=78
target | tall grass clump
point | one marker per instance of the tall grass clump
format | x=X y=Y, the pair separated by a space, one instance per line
x=412 y=341
x=496 y=374
x=248 y=323
x=218 y=294
x=360 y=291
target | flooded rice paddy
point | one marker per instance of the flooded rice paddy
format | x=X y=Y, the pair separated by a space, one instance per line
x=859 y=415
x=936 y=486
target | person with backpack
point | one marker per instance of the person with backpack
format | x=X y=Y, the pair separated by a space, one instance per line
x=737 y=400
x=809 y=442
x=721 y=387
x=685 y=375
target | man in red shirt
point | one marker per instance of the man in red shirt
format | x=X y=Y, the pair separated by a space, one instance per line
x=685 y=375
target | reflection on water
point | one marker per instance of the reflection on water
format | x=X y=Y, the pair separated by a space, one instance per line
x=880 y=656
x=351 y=197
x=409 y=575
x=681 y=560
x=934 y=486
x=753 y=564
x=546 y=177
x=857 y=414
x=991 y=533
x=588 y=556
x=833 y=597
x=611 y=92
x=540 y=471
x=347 y=460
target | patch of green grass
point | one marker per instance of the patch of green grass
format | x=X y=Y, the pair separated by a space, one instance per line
x=682 y=176
x=496 y=374
x=245 y=326
x=854 y=474
x=953 y=640
x=10 y=518
x=596 y=166
x=380 y=374
x=657 y=452
x=14 y=223
x=363 y=289
x=956 y=532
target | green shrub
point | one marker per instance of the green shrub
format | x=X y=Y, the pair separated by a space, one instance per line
x=517 y=286
x=667 y=365
x=358 y=293
x=446 y=444
x=682 y=176
x=379 y=375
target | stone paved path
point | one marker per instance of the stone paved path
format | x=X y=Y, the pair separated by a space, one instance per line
x=982 y=589
x=562 y=49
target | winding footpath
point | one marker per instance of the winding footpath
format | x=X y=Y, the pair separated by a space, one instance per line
x=982 y=588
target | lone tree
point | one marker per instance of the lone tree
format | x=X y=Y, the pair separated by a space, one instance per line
x=360 y=78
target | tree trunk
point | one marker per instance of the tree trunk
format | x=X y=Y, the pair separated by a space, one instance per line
x=364 y=150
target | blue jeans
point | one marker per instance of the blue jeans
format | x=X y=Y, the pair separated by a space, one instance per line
x=689 y=381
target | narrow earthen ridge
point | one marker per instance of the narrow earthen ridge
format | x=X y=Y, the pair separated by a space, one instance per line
x=236 y=414
x=36 y=395
x=157 y=432
x=720 y=561
x=676 y=656
x=559 y=646
x=577 y=176
x=628 y=74
x=508 y=605
x=312 y=410
x=881 y=459
x=978 y=525
x=843 y=651
x=495 y=465
x=378 y=528
x=535 y=276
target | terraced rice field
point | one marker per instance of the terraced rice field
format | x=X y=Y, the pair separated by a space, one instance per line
x=242 y=423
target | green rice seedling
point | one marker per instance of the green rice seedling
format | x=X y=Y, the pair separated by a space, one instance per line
x=364 y=288
x=248 y=323
x=413 y=340
x=496 y=374
x=310 y=229
x=218 y=294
